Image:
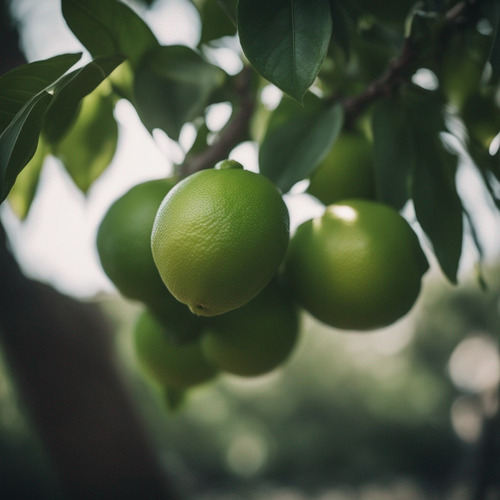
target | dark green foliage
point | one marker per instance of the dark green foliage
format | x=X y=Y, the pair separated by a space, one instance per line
x=172 y=86
x=285 y=41
x=297 y=139
x=346 y=63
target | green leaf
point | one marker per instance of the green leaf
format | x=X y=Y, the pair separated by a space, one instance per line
x=215 y=23
x=297 y=140
x=23 y=192
x=488 y=167
x=286 y=41
x=229 y=7
x=18 y=86
x=494 y=55
x=71 y=90
x=392 y=151
x=437 y=204
x=19 y=140
x=172 y=86
x=411 y=159
x=122 y=81
x=201 y=141
x=90 y=145
x=108 y=27
x=340 y=26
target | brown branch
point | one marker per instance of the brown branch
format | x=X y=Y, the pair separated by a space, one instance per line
x=234 y=132
x=236 y=129
x=400 y=68
x=60 y=354
x=384 y=85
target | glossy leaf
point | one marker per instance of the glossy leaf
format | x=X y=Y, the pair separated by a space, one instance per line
x=201 y=141
x=19 y=140
x=23 y=192
x=71 y=90
x=494 y=56
x=172 y=86
x=392 y=151
x=108 y=27
x=286 y=41
x=296 y=141
x=18 y=86
x=230 y=8
x=215 y=23
x=488 y=167
x=90 y=145
x=340 y=26
x=438 y=207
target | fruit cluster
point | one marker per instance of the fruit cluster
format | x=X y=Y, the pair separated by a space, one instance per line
x=211 y=259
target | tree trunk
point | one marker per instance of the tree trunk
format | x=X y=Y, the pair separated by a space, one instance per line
x=62 y=359
x=60 y=353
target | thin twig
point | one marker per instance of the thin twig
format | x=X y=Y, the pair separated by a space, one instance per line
x=399 y=68
x=384 y=85
x=234 y=132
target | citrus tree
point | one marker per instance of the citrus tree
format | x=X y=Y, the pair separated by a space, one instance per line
x=379 y=105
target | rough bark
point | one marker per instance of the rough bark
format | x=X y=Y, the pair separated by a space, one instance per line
x=60 y=353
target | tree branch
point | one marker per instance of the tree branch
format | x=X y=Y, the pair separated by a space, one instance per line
x=234 y=132
x=61 y=355
x=399 y=70
x=384 y=85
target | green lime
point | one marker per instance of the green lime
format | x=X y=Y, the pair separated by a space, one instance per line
x=219 y=237
x=346 y=172
x=358 y=266
x=168 y=363
x=124 y=248
x=256 y=338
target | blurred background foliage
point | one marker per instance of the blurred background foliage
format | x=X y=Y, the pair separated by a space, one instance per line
x=409 y=412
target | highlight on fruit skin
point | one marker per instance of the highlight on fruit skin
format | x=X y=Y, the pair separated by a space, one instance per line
x=357 y=267
x=219 y=237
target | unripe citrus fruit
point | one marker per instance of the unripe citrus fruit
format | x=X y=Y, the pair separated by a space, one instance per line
x=255 y=338
x=124 y=248
x=168 y=363
x=124 y=239
x=219 y=237
x=346 y=172
x=358 y=266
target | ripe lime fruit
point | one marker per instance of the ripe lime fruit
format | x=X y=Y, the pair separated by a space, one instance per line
x=358 y=266
x=218 y=238
x=124 y=248
x=255 y=338
x=346 y=172
x=124 y=239
x=168 y=363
